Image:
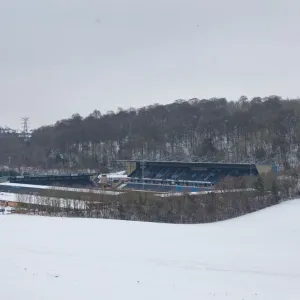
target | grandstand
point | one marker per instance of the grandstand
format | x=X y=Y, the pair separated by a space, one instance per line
x=77 y=180
x=182 y=176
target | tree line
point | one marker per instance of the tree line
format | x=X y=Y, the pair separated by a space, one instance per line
x=265 y=130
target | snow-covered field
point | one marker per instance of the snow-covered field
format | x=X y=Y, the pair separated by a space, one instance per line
x=8 y=197
x=51 y=201
x=252 y=257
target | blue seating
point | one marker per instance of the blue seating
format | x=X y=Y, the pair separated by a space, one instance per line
x=186 y=174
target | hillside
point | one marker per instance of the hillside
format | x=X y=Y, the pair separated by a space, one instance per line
x=251 y=257
x=264 y=130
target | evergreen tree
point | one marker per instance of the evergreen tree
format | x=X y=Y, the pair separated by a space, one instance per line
x=259 y=185
x=243 y=184
x=275 y=192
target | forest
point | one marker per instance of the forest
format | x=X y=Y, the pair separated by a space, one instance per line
x=258 y=130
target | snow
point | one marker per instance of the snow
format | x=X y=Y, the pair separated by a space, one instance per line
x=206 y=192
x=251 y=257
x=70 y=203
x=116 y=175
x=8 y=197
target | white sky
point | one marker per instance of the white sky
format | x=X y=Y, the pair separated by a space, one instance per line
x=63 y=57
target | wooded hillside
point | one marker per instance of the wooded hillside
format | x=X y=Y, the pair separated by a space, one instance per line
x=256 y=130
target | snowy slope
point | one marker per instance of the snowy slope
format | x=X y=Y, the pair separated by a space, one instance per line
x=252 y=257
x=8 y=197
x=71 y=203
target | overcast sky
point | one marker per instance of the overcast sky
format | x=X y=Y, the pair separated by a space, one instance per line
x=73 y=56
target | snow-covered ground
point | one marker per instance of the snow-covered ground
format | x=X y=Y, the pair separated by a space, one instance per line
x=116 y=175
x=8 y=197
x=51 y=201
x=252 y=257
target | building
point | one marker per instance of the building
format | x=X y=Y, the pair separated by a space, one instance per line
x=82 y=180
x=162 y=176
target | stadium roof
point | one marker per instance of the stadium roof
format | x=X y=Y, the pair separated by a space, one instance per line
x=199 y=164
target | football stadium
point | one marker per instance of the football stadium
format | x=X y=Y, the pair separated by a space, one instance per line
x=162 y=177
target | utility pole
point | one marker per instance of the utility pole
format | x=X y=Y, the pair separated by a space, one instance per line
x=143 y=172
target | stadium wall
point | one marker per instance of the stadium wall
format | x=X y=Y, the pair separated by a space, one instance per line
x=4 y=179
x=129 y=167
x=262 y=169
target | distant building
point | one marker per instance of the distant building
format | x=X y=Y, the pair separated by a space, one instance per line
x=168 y=176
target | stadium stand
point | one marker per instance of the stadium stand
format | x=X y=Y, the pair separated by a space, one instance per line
x=212 y=173
x=78 y=180
x=175 y=176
